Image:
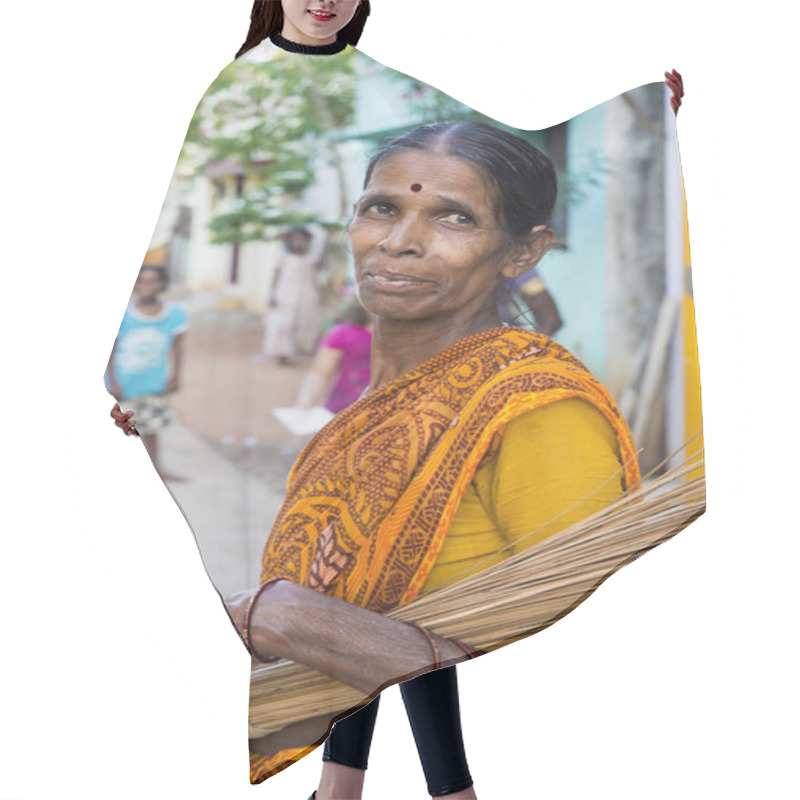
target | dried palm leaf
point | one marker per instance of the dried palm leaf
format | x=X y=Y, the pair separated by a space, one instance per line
x=520 y=596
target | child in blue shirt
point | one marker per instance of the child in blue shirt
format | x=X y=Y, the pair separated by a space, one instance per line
x=145 y=363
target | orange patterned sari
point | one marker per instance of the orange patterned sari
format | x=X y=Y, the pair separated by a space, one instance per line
x=371 y=497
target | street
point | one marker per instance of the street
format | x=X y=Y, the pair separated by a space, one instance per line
x=226 y=443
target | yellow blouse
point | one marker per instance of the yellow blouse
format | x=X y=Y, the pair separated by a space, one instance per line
x=556 y=465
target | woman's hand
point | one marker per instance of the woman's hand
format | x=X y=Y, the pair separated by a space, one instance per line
x=124 y=420
x=675 y=83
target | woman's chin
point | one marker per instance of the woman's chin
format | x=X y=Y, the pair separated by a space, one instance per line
x=400 y=302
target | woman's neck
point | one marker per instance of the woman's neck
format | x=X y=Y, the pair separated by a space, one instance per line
x=398 y=346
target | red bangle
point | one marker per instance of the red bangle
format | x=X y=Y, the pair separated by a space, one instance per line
x=436 y=660
x=251 y=604
x=470 y=651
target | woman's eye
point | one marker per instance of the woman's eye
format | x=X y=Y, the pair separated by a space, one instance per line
x=457 y=217
x=382 y=209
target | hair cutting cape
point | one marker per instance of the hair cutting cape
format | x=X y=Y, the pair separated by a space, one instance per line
x=277 y=151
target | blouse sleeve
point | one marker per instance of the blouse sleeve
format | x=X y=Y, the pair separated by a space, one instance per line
x=334 y=339
x=556 y=465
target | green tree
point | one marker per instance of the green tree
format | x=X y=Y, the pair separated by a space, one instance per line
x=267 y=123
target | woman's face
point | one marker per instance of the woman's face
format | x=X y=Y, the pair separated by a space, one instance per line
x=316 y=22
x=426 y=240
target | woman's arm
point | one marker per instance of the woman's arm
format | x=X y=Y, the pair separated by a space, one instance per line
x=176 y=362
x=358 y=647
x=556 y=466
x=542 y=305
x=122 y=419
x=317 y=381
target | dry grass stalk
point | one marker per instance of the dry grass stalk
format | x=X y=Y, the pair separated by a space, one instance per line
x=520 y=596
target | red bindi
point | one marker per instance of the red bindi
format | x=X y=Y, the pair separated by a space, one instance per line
x=416 y=187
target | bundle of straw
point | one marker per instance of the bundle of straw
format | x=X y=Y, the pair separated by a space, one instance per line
x=520 y=596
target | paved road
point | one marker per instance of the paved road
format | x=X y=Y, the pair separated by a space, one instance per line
x=226 y=442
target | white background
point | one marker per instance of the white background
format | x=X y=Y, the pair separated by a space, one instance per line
x=121 y=675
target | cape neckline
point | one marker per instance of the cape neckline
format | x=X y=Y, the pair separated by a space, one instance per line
x=309 y=49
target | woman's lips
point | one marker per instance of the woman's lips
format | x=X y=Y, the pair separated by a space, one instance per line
x=392 y=281
x=322 y=16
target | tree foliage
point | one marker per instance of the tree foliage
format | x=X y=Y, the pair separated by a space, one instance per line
x=269 y=123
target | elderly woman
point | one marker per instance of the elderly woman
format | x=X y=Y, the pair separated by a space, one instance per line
x=473 y=441
x=471 y=436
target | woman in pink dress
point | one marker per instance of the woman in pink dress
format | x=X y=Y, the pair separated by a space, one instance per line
x=342 y=359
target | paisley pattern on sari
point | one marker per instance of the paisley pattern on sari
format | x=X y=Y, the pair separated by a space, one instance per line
x=371 y=497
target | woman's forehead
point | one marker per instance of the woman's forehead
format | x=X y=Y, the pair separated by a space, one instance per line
x=424 y=171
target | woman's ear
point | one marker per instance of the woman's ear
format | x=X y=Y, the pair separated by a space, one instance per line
x=528 y=252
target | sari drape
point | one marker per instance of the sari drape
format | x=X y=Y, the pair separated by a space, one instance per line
x=371 y=497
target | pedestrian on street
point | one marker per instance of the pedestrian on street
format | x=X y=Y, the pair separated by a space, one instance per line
x=145 y=363
x=291 y=327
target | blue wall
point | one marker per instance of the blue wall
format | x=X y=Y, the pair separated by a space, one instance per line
x=577 y=277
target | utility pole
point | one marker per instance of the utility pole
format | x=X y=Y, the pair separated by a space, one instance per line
x=637 y=283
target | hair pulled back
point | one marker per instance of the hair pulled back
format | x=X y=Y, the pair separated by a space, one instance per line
x=524 y=177
x=266 y=18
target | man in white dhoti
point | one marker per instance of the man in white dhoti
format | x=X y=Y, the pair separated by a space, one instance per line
x=292 y=319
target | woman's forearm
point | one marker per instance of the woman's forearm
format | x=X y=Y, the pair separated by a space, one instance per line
x=358 y=647
x=320 y=377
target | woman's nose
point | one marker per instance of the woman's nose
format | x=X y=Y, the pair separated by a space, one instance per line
x=405 y=239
